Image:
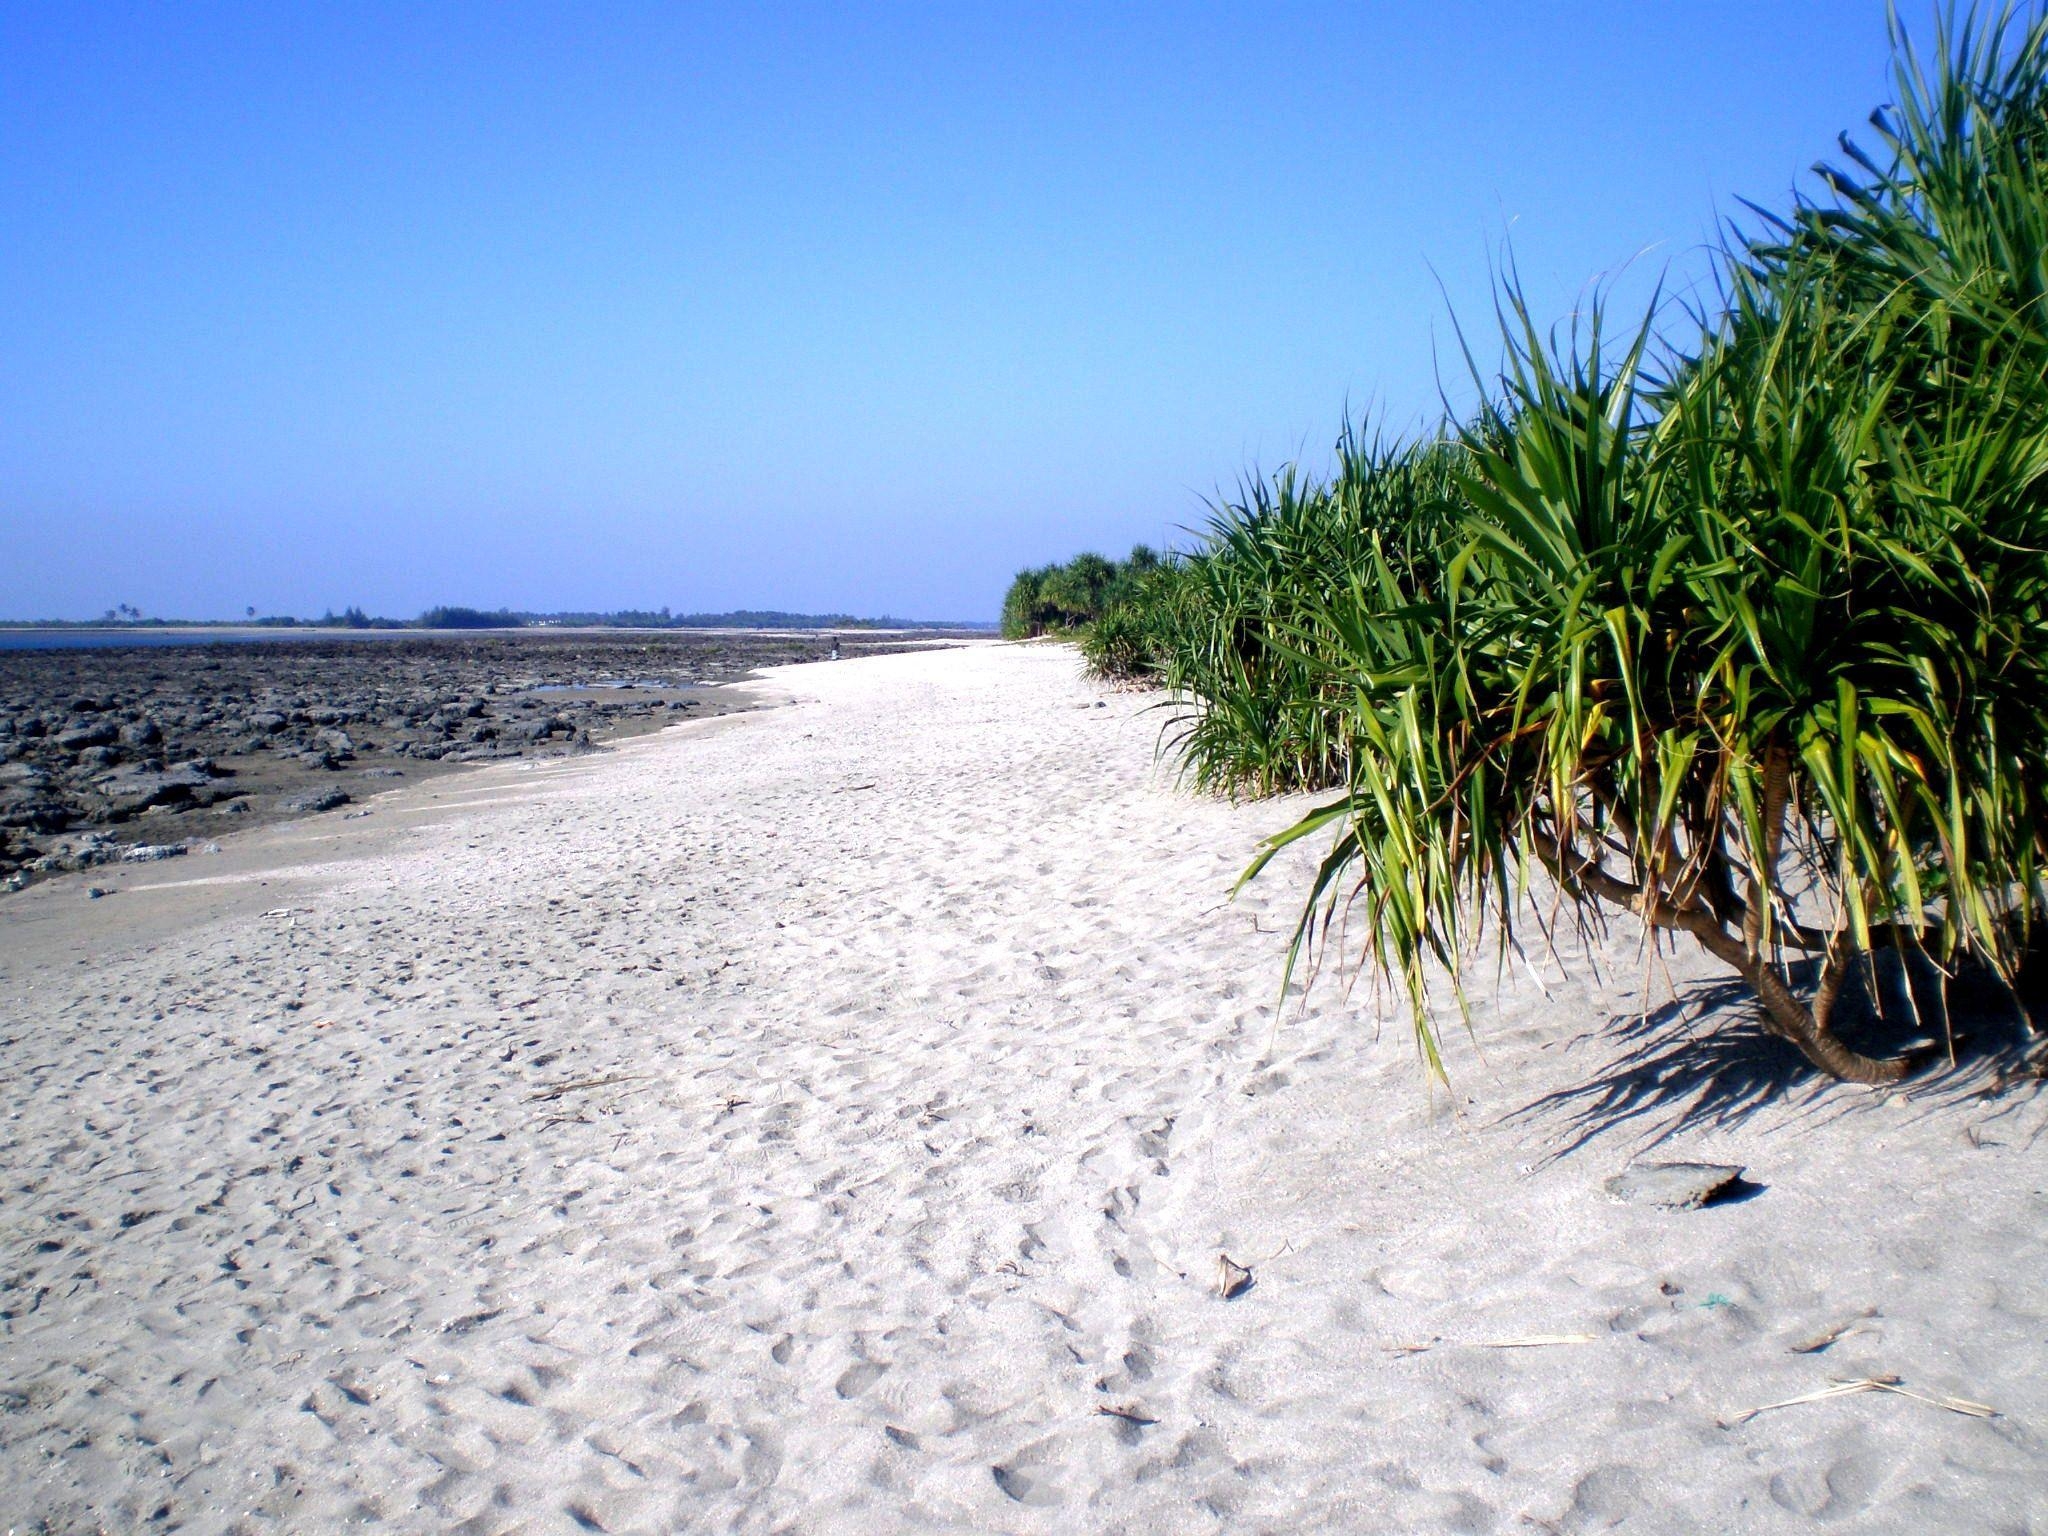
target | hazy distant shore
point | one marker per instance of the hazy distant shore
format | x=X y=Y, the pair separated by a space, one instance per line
x=65 y=635
x=356 y=625
x=119 y=750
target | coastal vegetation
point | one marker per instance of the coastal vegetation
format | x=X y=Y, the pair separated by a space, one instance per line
x=1055 y=599
x=470 y=618
x=1734 y=618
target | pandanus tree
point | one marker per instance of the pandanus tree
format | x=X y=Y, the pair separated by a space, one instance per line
x=1259 y=715
x=1757 y=650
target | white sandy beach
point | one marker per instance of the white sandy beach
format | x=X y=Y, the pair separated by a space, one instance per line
x=829 y=1119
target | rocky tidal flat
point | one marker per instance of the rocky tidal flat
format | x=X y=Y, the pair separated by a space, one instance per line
x=129 y=754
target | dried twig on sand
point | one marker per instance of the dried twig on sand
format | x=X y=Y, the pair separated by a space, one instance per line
x=1128 y=1415
x=1524 y=1341
x=559 y=1089
x=1891 y=1384
x=1827 y=1336
x=1234 y=1279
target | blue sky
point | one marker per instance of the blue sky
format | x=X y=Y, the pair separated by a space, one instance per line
x=834 y=308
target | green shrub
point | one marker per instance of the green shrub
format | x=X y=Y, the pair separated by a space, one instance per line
x=1759 y=655
x=1755 y=648
x=1051 y=598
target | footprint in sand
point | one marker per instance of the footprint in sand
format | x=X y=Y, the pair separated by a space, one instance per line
x=1027 y=1485
x=856 y=1379
x=1138 y=1360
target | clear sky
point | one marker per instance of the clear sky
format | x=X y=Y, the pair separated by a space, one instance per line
x=835 y=308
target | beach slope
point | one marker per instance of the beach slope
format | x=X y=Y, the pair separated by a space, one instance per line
x=832 y=1118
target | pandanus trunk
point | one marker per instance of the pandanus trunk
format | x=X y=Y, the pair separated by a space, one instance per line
x=1806 y=1026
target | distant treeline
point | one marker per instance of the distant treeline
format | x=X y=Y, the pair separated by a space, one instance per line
x=470 y=618
x=641 y=618
x=740 y=618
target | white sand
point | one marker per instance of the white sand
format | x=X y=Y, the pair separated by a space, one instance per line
x=814 y=1120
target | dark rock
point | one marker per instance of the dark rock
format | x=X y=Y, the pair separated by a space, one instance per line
x=100 y=733
x=1674 y=1186
x=131 y=792
x=141 y=733
x=33 y=812
x=319 y=800
x=149 y=853
x=93 y=849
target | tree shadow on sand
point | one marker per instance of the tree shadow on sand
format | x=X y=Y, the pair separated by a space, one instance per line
x=1703 y=1061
